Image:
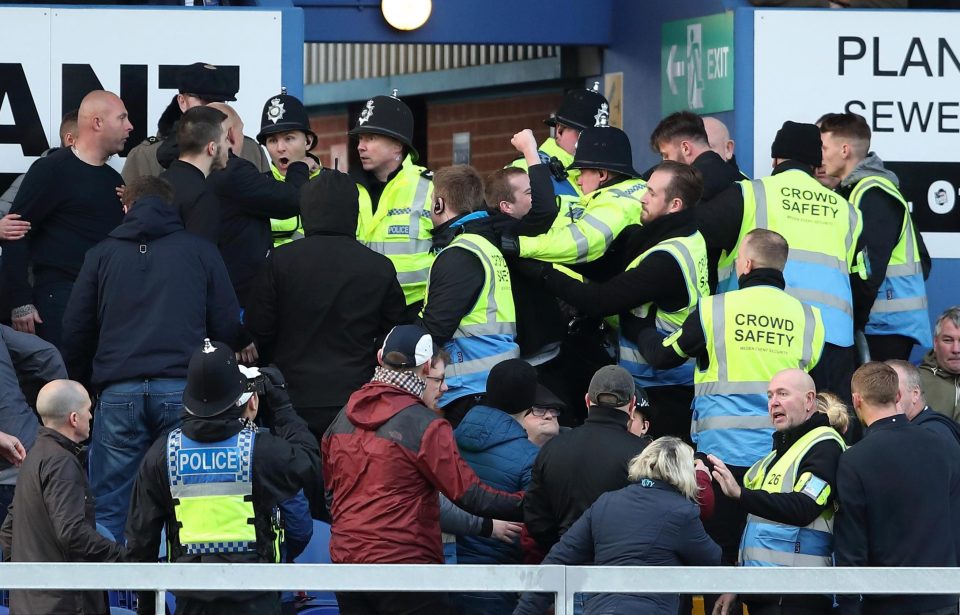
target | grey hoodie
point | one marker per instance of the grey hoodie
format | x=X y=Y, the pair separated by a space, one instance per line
x=869 y=166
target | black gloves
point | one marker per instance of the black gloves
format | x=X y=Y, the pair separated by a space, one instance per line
x=275 y=393
x=509 y=245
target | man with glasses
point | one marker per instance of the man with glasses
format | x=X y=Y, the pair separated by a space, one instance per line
x=492 y=439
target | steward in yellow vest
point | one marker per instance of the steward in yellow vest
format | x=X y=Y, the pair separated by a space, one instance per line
x=662 y=283
x=893 y=301
x=468 y=307
x=395 y=194
x=216 y=482
x=789 y=494
x=580 y=109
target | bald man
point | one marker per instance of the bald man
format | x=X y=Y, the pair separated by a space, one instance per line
x=791 y=488
x=52 y=518
x=248 y=200
x=71 y=200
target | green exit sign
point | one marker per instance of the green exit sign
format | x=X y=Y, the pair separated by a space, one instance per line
x=696 y=64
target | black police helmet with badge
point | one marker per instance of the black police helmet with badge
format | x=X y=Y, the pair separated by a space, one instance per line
x=283 y=113
x=388 y=116
x=581 y=109
x=604 y=147
x=208 y=82
x=214 y=381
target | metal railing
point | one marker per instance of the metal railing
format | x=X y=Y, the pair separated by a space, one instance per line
x=563 y=581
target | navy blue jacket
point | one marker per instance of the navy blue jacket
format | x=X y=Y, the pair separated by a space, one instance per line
x=495 y=445
x=144 y=300
x=648 y=523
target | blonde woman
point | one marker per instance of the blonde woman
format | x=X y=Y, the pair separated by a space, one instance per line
x=653 y=522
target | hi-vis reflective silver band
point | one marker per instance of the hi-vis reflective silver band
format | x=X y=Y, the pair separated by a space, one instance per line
x=809 y=295
x=732 y=422
x=487 y=328
x=484 y=364
x=784 y=559
x=690 y=268
x=400 y=248
x=899 y=305
x=413 y=277
x=583 y=246
x=733 y=388
x=416 y=209
x=762 y=221
x=818 y=525
x=491 y=326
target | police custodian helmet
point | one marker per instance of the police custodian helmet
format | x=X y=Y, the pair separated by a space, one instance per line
x=214 y=381
x=604 y=147
x=388 y=116
x=282 y=113
x=582 y=109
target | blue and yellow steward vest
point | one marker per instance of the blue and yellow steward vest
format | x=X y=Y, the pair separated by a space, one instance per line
x=690 y=252
x=768 y=543
x=901 y=304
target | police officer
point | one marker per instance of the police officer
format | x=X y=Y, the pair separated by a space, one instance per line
x=789 y=494
x=580 y=109
x=663 y=281
x=739 y=340
x=285 y=132
x=215 y=482
x=610 y=203
x=198 y=84
x=894 y=304
x=824 y=233
x=469 y=306
x=395 y=194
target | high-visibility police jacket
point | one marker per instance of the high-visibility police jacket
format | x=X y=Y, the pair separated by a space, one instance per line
x=211 y=484
x=606 y=212
x=822 y=229
x=487 y=333
x=901 y=304
x=690 y=253
x=567 y=191
x=287 y=229
x=400 y=227
x=751 y=334
x=768 y=543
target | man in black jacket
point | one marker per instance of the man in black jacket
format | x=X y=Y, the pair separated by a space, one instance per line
x=248 y=200
x=682 y=137
x=52 y=518
x=665 y=278
x=899 y=495
x=792 y=510
x=202 y=138
x=914 y=405
x=144 y=299
x=322 y=305
x=223 y=468
x=578 y=466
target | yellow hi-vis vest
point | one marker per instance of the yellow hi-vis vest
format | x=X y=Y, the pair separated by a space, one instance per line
x=487 y=334
x=690 y=252
x=822 y=230
x=566 y=191
x=606 y=213
x=400 y=227
x=751 y=334
x=901 y=304
x=288 y=229
x=768 y=543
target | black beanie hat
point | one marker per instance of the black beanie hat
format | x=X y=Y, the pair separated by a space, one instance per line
x=512 y=386
x=799 y=142
x=329 y=203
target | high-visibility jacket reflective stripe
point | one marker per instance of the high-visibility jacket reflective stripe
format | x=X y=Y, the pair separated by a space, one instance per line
x=566 y=191
x=901 y=304
x=768 y=543
x=691 y=255
x=211 y=484
x=751 y=334
x=487 y=334
x=822 y=230
x=400 y=227
x=606 y=213
x=287 y=229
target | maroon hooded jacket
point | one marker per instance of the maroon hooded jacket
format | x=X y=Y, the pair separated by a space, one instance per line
x=384 y=458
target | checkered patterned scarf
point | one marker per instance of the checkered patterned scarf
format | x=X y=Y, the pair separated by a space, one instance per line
x=408 y=381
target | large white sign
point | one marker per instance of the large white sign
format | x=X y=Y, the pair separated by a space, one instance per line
x=49 y=58
x=898 y=69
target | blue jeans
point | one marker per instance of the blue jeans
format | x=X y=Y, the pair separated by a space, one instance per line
x=130 y=416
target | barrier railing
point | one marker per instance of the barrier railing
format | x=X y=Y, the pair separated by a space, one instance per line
x=563 y=581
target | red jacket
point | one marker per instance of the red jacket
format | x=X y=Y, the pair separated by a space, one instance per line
x=384 y=458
